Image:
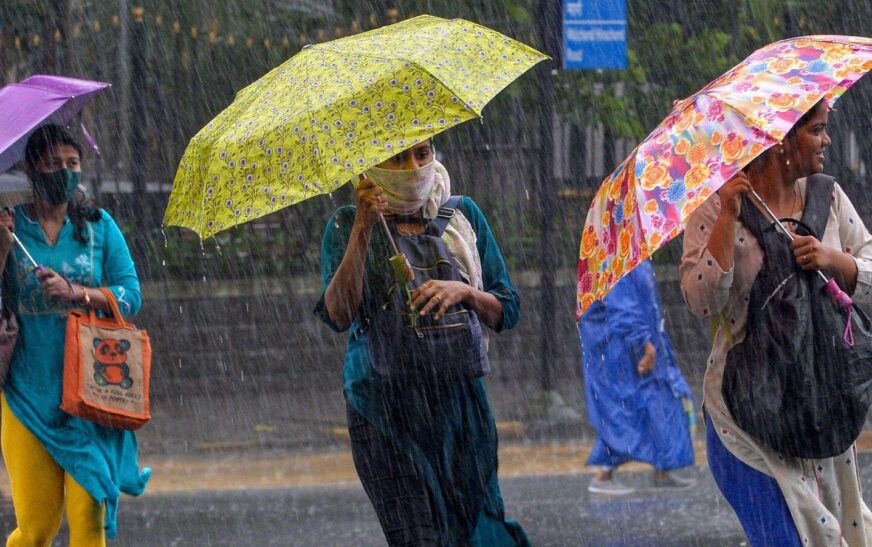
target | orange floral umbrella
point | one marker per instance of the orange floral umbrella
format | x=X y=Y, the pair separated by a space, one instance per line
x=705 y=140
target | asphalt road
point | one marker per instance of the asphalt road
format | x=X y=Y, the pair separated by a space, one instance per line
x=555 y=510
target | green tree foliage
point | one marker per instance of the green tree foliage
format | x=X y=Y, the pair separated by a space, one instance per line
x=199 y=53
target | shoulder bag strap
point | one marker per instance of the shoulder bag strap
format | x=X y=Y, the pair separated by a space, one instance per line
x=443 y=217
x=113 y=305
x=818 y=202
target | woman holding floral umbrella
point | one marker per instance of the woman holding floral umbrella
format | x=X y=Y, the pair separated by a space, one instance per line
x=779 y=500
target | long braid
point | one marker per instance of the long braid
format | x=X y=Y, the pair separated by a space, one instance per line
x=80 y=210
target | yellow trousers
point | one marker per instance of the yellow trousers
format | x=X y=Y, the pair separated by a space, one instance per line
x=39 y=486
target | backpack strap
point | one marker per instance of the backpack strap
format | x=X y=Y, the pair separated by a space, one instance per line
x=446 y=213
x=818 y=202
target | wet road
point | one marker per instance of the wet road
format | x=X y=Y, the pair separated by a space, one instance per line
x=555 y=510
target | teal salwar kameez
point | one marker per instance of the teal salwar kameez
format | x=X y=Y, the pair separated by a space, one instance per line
x=102 y=460
x=447 y=430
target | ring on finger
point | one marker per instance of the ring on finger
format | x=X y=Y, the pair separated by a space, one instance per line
x=438 y=299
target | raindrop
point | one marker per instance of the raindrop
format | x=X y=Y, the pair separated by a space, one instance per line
x=180 y=310
x=164 y=234
x=487 y=146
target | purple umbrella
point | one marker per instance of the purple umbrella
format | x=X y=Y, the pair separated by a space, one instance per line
x=36 y=101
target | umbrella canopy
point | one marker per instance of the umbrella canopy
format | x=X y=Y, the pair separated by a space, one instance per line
x=333 y=111
x=705 y=140
x=36 y=101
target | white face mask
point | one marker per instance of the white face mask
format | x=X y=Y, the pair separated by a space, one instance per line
x=406 y=190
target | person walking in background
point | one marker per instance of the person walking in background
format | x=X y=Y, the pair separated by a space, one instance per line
x=55 y=460
x=637 y=400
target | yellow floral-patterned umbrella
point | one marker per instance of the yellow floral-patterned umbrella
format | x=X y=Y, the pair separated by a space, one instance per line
x=333 y=111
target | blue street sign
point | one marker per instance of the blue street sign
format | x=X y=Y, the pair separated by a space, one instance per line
x=594 y=34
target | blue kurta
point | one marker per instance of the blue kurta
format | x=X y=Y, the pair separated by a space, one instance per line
x=638 y=418
x=102 y=460
x=450 y=432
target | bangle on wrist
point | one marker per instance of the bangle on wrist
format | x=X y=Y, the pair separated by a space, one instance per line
x=86 y=298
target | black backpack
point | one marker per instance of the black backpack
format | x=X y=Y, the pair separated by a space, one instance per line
x=793 y=382
x=447 y=349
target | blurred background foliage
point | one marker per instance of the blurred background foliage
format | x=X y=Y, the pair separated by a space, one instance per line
x=199 y=53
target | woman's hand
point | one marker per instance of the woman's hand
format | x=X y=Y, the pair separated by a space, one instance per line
x=721 y=242
x=731 y=194
x=371 y=203
x=811 y=254
x=648 y=360
x=54 y=284
x=439 y=295
x=7 y=226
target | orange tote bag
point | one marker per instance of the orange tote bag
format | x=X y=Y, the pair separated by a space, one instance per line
x=107 y=363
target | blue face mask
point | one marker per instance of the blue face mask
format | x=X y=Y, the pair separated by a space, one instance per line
x=56 y=187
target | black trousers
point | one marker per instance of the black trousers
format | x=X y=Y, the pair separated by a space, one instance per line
x=396 y=489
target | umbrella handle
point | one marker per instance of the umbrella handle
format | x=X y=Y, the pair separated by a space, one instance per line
x=384 y=224
x=21 y=246
x=388 y=233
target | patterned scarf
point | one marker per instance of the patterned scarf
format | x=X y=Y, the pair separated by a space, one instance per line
x=459 y=235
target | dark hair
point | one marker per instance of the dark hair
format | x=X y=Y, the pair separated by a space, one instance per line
x=804 y=119
x=80 y=208
x=44 y=138
x=757 y=163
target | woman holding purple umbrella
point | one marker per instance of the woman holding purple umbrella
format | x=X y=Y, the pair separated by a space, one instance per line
x=56 y=461
x=780 y=500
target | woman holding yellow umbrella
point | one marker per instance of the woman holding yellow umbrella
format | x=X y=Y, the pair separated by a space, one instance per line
x=423 y=437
